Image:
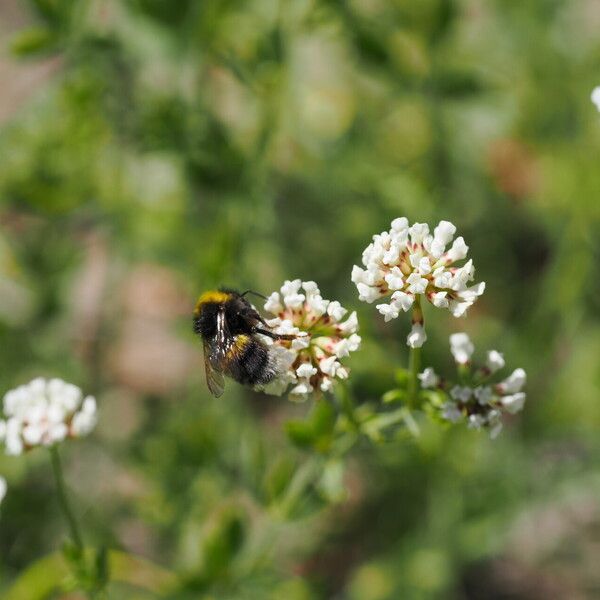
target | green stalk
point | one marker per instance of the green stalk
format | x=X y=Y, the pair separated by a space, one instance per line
x=414 y=356
x=63 y=499
x=414 y=366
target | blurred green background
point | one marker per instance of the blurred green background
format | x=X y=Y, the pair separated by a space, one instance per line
x=151 y=149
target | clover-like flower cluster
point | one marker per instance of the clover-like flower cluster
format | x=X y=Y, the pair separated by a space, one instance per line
x=3 y=488
x=324 y=336
x=406 y=262
x=478 y=401
x=44 y=412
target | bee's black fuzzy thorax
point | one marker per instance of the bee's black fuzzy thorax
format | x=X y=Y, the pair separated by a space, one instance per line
x=205 y=323
x=240 y=315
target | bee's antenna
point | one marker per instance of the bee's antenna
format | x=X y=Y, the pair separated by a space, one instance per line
x=255 y=293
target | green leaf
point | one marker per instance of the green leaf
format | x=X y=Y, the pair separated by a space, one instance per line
x=317 y=430
x=456 y=85
x=49 y=574
x=402 y=377
x=375 y=427
x=323 y=418
x=54 y=12
x=394 y=396
x=331 y=484
x=434 y=398
x=222 y=543
x=444 y=19
x=300 y=433
x=102 y=567
x=40 y=579
x=71 y=552
x=35 y=40
x=140 y=572
x=278 y=478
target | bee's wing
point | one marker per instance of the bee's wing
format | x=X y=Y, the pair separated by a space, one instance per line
x=215 y=352
x=214 y=378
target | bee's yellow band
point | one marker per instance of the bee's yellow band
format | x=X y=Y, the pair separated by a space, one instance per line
x=240 y=342
x=211 y=297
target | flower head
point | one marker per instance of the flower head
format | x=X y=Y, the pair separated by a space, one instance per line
x=324 y=336
x=596 y=97
x=408 y=261
x=478 y=401
x=44 y=412
x=2 y=488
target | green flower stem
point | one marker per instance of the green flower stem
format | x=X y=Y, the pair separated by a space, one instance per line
x=464 y=372
x=414 y=356
x=63 y=500
x=414 y=366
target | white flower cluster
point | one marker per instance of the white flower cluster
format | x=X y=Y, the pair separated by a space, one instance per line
x=408 y=261
x=2 y=488
x=44 y=412
x=596 y=97
x=481 y=404
x=311 y=362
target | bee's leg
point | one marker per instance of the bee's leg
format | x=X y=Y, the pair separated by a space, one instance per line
x=275 y=336
x=261 y=319
x=256 y=316
x=252 y=314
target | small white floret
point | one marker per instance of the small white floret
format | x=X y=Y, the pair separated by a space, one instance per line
x=389 y=311
x=417 y=336
x=458 y=251
x=461 y=348
x=483 y=394
x=306 y=370
x=461 y=393
x=514 y=402
x=428 y=378
x=403 y=300
x=495 y=361
x=514 y=382
x=451 y=412
x=476 y=421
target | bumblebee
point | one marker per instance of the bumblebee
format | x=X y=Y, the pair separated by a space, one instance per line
x=228 y=325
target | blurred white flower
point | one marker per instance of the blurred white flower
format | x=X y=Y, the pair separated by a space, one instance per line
x=495 y=361
x=513 y=383
x=310 y=363
x=481 y=404
x=2 y=488
x=596 y=97
x=484 y=394
x=417 y=336
x=461 y=393
x=476 y=421
x=461 y=348
x=408 y=261
x=428 y=378
x=451 y=412
x=44 y=412
x=514 y=402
